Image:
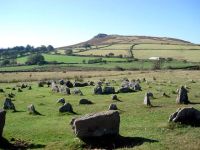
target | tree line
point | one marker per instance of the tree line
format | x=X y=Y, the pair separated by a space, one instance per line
x=19 y=51
x=8 y=55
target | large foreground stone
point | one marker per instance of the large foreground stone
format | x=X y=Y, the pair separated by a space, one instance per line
x=97 y=125
x=2 y=120
x=188 y=116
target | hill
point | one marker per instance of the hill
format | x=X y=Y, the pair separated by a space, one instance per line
x=104 y=39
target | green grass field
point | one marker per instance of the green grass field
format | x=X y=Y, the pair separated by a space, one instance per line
x=67 y=59
x=145 y=51
x=112 y=65
x=189 y=55
x=52 y=130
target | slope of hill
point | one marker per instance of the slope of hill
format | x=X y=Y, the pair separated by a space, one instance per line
x=104 y=39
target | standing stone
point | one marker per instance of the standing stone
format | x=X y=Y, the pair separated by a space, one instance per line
x=182 y=97
x=41 y=84
x=98 y=90
x=108 y=90
x=113 y=107
x=1 y=91
x=99 y=83
x=62 y=82
x=114 y=97
x=31 y=109
x=61 y=100
x=97 y=125
x=77 y=92
x=91 y=83
x=19 y=90
x=54 y=87
x=136 y=86
x=48 y=83
x=64 y=90
x=8 y=104
x=2 y=121
x=69 y=84
x=67 y=107
x=147 y=101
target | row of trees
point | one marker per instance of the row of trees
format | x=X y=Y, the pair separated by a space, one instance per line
x=18 y=51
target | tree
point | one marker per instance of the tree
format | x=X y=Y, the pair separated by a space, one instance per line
x=83 y=61
x=50 y=48
x=87 y=45
x=130 y=51
x=29 y=48
x=111 y=54
x=5 y=62
x=36 y=59
x=68 y=52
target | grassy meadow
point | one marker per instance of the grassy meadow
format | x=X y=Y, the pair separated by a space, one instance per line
x=108 y=66
x=145 y=51
x=148 y=128
x=67 y=59
x=189 y=55
x=64 y=62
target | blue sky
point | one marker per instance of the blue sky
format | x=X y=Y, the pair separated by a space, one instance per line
x=65 y=22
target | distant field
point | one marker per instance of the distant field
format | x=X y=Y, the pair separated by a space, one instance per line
x=103 y=52
x=149 y=47
x=67 y=59
x=144 y=51
x=189 y=55
x=135 y=65
x=37 y=76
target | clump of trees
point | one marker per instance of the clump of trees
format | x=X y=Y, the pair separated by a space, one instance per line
x=7 y=62
x=35 y=59
x=19 y=51
x=98 y=60
x=68 y=52
x=87 y=46
x=157 y=64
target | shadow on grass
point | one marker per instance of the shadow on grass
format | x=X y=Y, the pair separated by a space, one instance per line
x=18 y=111
x=115 y=142
x=194 y=103
x=38 y=113
x=18 y=145
x=155 y=106
x=118 y=100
